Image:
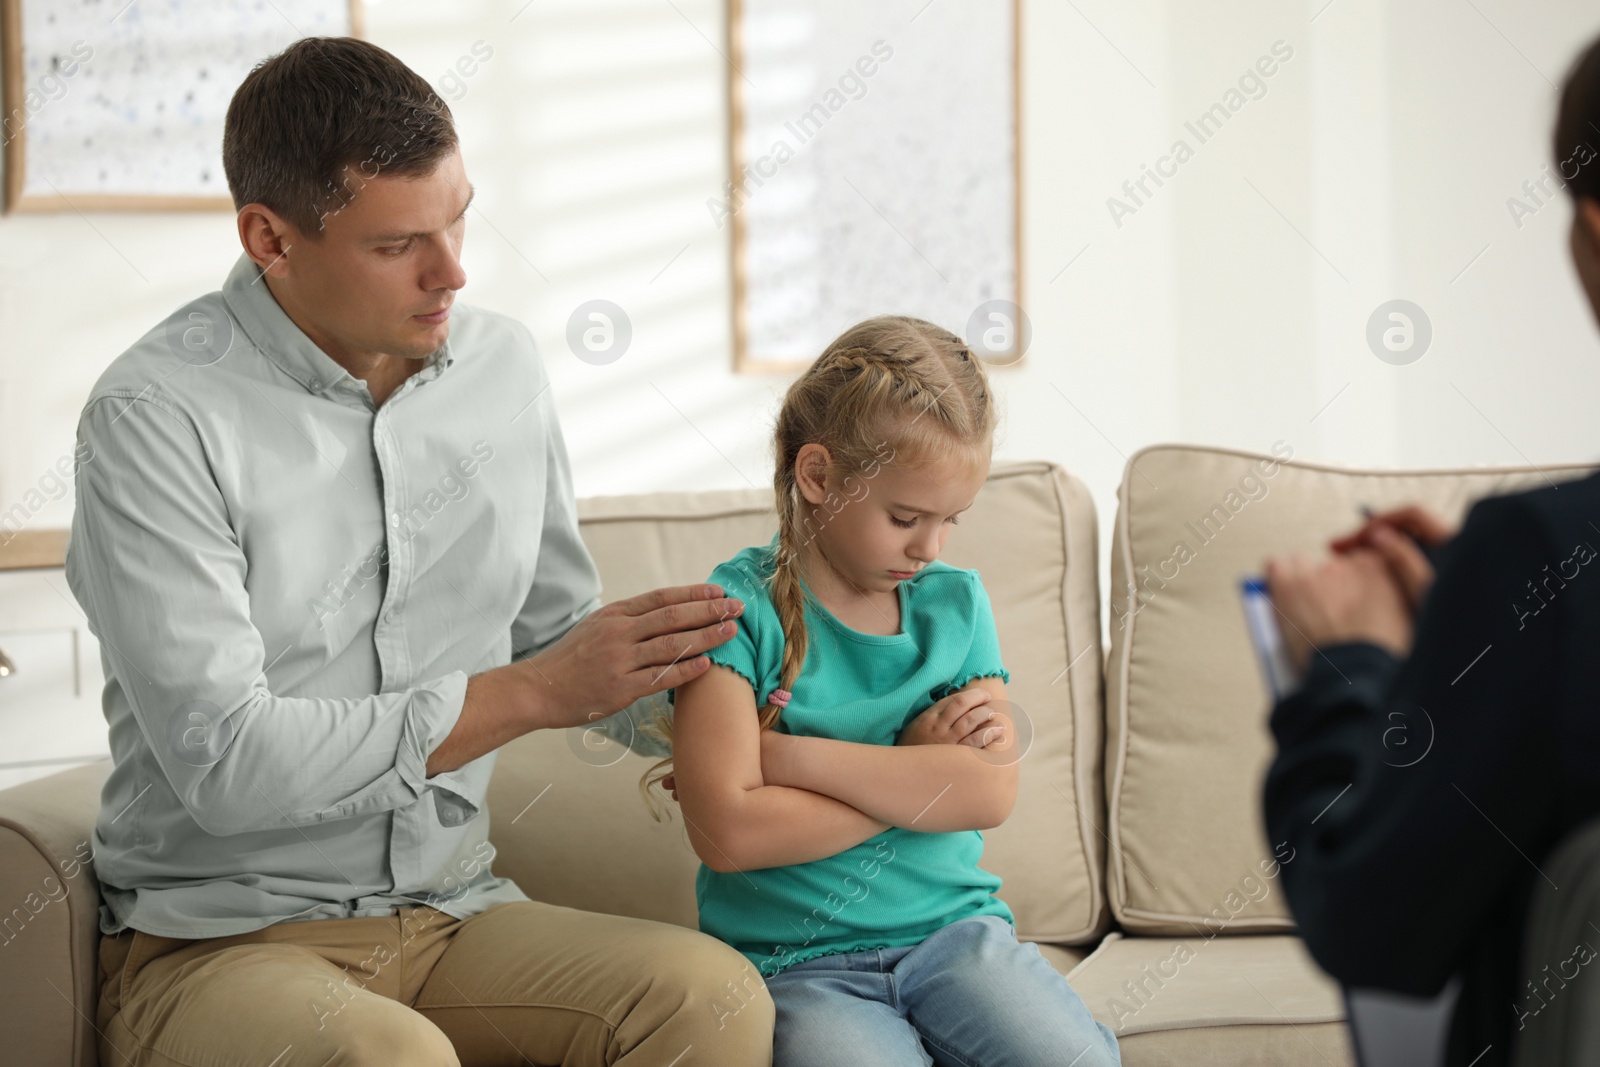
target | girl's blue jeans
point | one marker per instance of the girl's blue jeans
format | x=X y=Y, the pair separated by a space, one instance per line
x=969 y=995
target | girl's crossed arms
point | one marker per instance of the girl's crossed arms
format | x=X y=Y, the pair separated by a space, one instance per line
x=755 y=798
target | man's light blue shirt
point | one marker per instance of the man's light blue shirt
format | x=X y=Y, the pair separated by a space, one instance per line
x=291 y=586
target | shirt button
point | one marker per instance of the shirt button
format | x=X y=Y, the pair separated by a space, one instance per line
x=315 y=383
x=394 y=518
x=388 y=616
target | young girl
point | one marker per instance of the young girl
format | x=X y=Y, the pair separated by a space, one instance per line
x=836 y=775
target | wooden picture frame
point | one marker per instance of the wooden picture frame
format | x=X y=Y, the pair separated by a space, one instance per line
x=747 y=361
x=14 y=97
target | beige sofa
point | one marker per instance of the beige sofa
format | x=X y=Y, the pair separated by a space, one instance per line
x=1136 y=855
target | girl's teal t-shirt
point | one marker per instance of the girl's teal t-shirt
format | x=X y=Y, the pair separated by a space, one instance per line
x=900 y=886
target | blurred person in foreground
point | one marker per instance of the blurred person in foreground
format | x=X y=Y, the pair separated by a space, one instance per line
x=1444 y=737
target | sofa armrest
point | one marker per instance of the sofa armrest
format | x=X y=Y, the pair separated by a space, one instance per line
x=50 y=918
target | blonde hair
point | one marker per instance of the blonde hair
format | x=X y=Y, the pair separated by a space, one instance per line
x=890 y=382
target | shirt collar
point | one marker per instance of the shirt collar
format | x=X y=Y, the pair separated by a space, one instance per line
x=272 y=331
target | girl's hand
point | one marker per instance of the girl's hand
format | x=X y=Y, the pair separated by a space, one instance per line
x=959 y=719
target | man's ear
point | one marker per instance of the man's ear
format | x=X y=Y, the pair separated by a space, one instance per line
x=1588 y=214
x=266 y=237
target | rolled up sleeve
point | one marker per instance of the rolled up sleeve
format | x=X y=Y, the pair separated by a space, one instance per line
x=160 y=574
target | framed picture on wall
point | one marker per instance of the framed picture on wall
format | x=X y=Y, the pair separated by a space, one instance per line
x=875 y=161
x=118 y=106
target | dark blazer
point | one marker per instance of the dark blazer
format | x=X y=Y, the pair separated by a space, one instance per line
x=1420 y=796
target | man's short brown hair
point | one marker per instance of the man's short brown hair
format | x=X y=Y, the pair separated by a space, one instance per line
x=308 y=126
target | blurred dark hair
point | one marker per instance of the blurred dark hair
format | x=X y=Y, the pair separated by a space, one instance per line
x=309 y=125
x=1578 y=126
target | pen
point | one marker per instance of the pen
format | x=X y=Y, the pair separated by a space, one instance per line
x=1429 y=552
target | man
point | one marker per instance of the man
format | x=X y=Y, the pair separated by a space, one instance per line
x=327 y=540
x=1445 y=734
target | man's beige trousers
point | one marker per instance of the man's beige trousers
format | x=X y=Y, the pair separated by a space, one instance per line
x=521 y=983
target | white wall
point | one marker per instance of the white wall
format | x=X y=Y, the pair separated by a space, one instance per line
x=1231 y=309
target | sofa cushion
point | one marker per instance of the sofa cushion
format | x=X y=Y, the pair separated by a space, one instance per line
x=1186 y=706
x=50 y=930
x=1203 y=1000
x=567 y=818
x=1309 y=1045
x=1062 y=957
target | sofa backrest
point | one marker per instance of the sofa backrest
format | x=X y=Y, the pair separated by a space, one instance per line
x=567 y=819
x=1186 y=707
